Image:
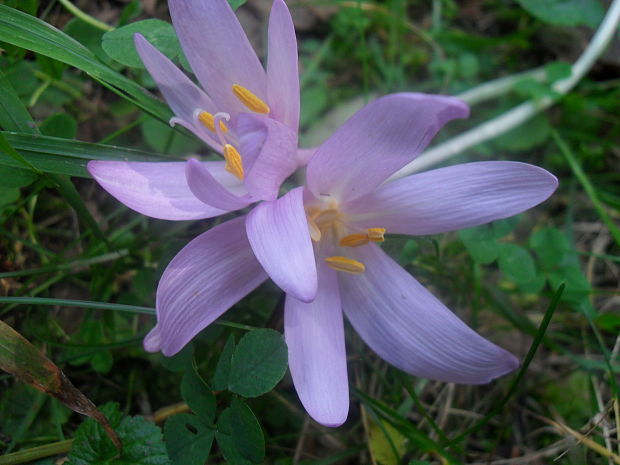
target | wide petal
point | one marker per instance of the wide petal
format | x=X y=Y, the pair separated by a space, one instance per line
x=218 y=51
x=158 y=190
x=209 y=190
x=455 y=197
x=316 y=351
x=282 y=67
x=377 y=141
x=268 y=149
x=279 y=235
x=206 y=278
x=183 y=96
x=408 y=327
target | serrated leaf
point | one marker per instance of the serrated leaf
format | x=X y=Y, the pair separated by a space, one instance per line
x=142 y=442
x=198 y=395
x=258 y=363
x=516 y=263
x=226 y=442
x=246 y=430
x=119 y=43
x=188 y=439
x=222 y=370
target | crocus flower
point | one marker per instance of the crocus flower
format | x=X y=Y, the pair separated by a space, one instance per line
x=248 y=114
x=319 y=244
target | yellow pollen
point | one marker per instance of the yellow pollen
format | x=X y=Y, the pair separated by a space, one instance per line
x=234 y=164
x=208 y=120
x=250 y=100
x=354 y=240
x=348 y=265
x=375 y=234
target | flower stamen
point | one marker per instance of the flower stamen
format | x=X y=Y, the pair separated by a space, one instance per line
x=208 y=120
x=375 y=234
x=250 y=100
x=234 y=164
x=354 y=240
x=347 y=265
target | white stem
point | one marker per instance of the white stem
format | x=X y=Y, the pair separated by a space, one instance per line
x=521 y=113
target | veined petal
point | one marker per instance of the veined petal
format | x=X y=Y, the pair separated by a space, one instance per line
x=314 y=335
x=158 y=190
x=279 y=235
x=282 y=71
x=268 y=149
x=207 y=277
x=218 y=51
x=183 y=96
x=210 y=190
x=408 y=327
x=377 y=141
x=455 y=197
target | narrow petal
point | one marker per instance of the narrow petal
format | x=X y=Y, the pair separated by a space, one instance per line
x=218 y=51
x=377 y=141
x=455 y=197
x=207 y=277
x=282 y=71
x=268 y=149
x=279 y=235
x=158 y=190
x=209 y=190
x=316 y=351
x=183 y=96
x=408 y=327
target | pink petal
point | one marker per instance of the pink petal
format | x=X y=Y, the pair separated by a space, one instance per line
x=158 y=190
x=454 y=197
x=316 y=352
x=408 y=327
x=218 y=51
x=282 y=72
x=209 y=190
x=268 y=149
x=279 y=235
x=183 y=96
x=377 y=141
x=207 y=277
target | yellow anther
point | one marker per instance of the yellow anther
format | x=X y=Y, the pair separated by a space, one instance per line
x=348 y=265
x=315 y=232
x=326 y=216
x=354 y=240
x=375 y=234
x=234 y=164
x=208 y=120
x=250 y=100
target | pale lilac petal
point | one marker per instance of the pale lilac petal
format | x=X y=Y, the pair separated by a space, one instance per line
x=282 y=72
x=210 y=191
x=279 y=235
x=182 y=95
x=377 y=141
x=218 y=51
x=304 y=156
x=207 y=277
x=268 y=149
x=158 y=190
x=454 y=197
x=316 y=351
x=408 y=327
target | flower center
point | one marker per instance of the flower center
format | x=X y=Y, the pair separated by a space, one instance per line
x=329 y=221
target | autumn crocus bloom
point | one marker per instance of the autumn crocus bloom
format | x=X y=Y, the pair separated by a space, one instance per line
x=319 y=244
x=248 y=114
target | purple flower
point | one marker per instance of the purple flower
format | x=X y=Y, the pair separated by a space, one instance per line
x=319 y=244
x=248 y=114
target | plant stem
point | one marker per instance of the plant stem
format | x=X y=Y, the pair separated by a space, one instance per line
x=75 y=11
x=28 y=455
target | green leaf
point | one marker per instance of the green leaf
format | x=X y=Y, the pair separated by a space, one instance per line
x=13 y=114
x=164 y=139
x=577 y=286
x=516 y=263
x=119 y=43
x=188 y=439
x=142 y=442
x=557 y=70
x=246 y=430
x=222 y=370
x=227 y=442
x=551 y=246
x=234 y=4
x=382 y=448
x=198 y=395
x=59 y=125
x=180 y=361
x=526 y=136
x=15 y=177
x=258 y=363
x=481 y=244
x=566 y=12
